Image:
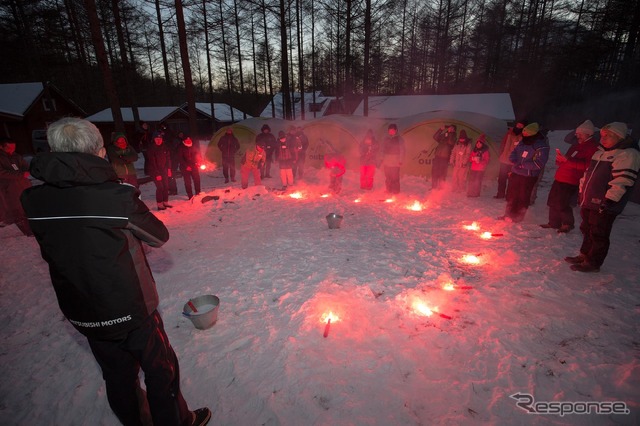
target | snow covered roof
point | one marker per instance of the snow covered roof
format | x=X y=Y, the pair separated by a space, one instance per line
x=322 y=103
x=151 y=114
x=17 y=98
x=496 y=105
x=222 y=111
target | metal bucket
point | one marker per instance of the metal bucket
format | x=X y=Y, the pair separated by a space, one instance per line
x=207 y=311
x=334 y=220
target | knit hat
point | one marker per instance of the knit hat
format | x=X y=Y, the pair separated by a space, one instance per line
x=618 y=128
x=463 y=136
x=265 y=127
x=530 y=129
x=586 y=128
x=281 y=134
x=393 y=126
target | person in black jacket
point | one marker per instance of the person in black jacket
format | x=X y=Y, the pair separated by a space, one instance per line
x=190 y=159
x=229 y=146
x=160 y=169
x=90 y=228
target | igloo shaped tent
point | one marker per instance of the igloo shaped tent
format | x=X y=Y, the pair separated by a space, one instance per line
x=344 y=133
x=418 y=130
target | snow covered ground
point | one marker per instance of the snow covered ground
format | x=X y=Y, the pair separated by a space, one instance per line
x=517 y=322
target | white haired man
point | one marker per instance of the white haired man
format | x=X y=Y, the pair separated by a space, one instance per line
x=90 y=229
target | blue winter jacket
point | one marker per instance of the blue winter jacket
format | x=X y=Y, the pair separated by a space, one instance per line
x=530 y=156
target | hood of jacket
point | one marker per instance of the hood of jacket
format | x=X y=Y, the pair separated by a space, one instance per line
x=67 y=169
x=625 y=143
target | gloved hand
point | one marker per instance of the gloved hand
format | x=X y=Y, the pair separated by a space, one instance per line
x=605 y=205
x=158 y=178
x=169 y=172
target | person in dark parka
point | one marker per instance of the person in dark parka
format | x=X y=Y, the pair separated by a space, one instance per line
x=159 y=158
x=90 y=229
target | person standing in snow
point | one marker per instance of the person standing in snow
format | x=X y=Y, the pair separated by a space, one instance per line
x=605 y=189
x=160 y=169
x=268 y=142
x=446 y=139
x=393 y=153
x=479 y=159
x=229 y=146
x=571 y=168
x=122 y=157
x=251 y=164
x=190 y=160
x=529 y=158
x=335 y=163
x=302 y=144
x=369 y=151
x=460 y=161
x=511 y=139
x=90 y=229
x=285 y=155
x=14 y=173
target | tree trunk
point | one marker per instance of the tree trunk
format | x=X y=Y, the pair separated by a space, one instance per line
x=186 y=69
x=103 y=63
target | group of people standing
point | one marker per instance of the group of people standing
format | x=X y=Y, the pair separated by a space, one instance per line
x=289 y=150
x=165 y=155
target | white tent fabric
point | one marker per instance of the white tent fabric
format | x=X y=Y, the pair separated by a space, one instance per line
x=496 y=105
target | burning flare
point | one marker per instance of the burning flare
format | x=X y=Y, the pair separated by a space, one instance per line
x=329 y=316
x=297 y=195
x=471 y=259
x=473 y=227
x=416 y=206
x=448 y=286
x=203 y=167
x=324 y=196
x=421 y=308
x=486 y=235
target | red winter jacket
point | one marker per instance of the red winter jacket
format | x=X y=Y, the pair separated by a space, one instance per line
x=578 y=159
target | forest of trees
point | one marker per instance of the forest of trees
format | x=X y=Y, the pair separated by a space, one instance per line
x=561 y=60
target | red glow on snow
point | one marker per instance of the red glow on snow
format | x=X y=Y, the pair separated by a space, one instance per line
x=473 y=227
x=357 y=200
x=471 y=259
x=416 y=206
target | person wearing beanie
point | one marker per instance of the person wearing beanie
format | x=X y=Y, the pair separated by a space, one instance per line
x=571 y=167
x=286 y=156
x=528 y=158
x=460 y=156
x=229 y=146
x=160 y=169
x=605 y=189
x=446 y=139
x=393 y=152
x=587 y=129
x=268 y=142
x=479 y=159
x=122 y=157
x=190 y=159
x=510 y=140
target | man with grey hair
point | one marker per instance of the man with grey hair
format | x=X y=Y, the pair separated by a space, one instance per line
x=90 y=229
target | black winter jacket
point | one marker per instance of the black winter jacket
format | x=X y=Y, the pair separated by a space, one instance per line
x=90 y=228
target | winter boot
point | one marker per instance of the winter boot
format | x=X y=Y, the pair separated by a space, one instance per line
x=201 y=416
x=575 y=260
x=161 y=206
